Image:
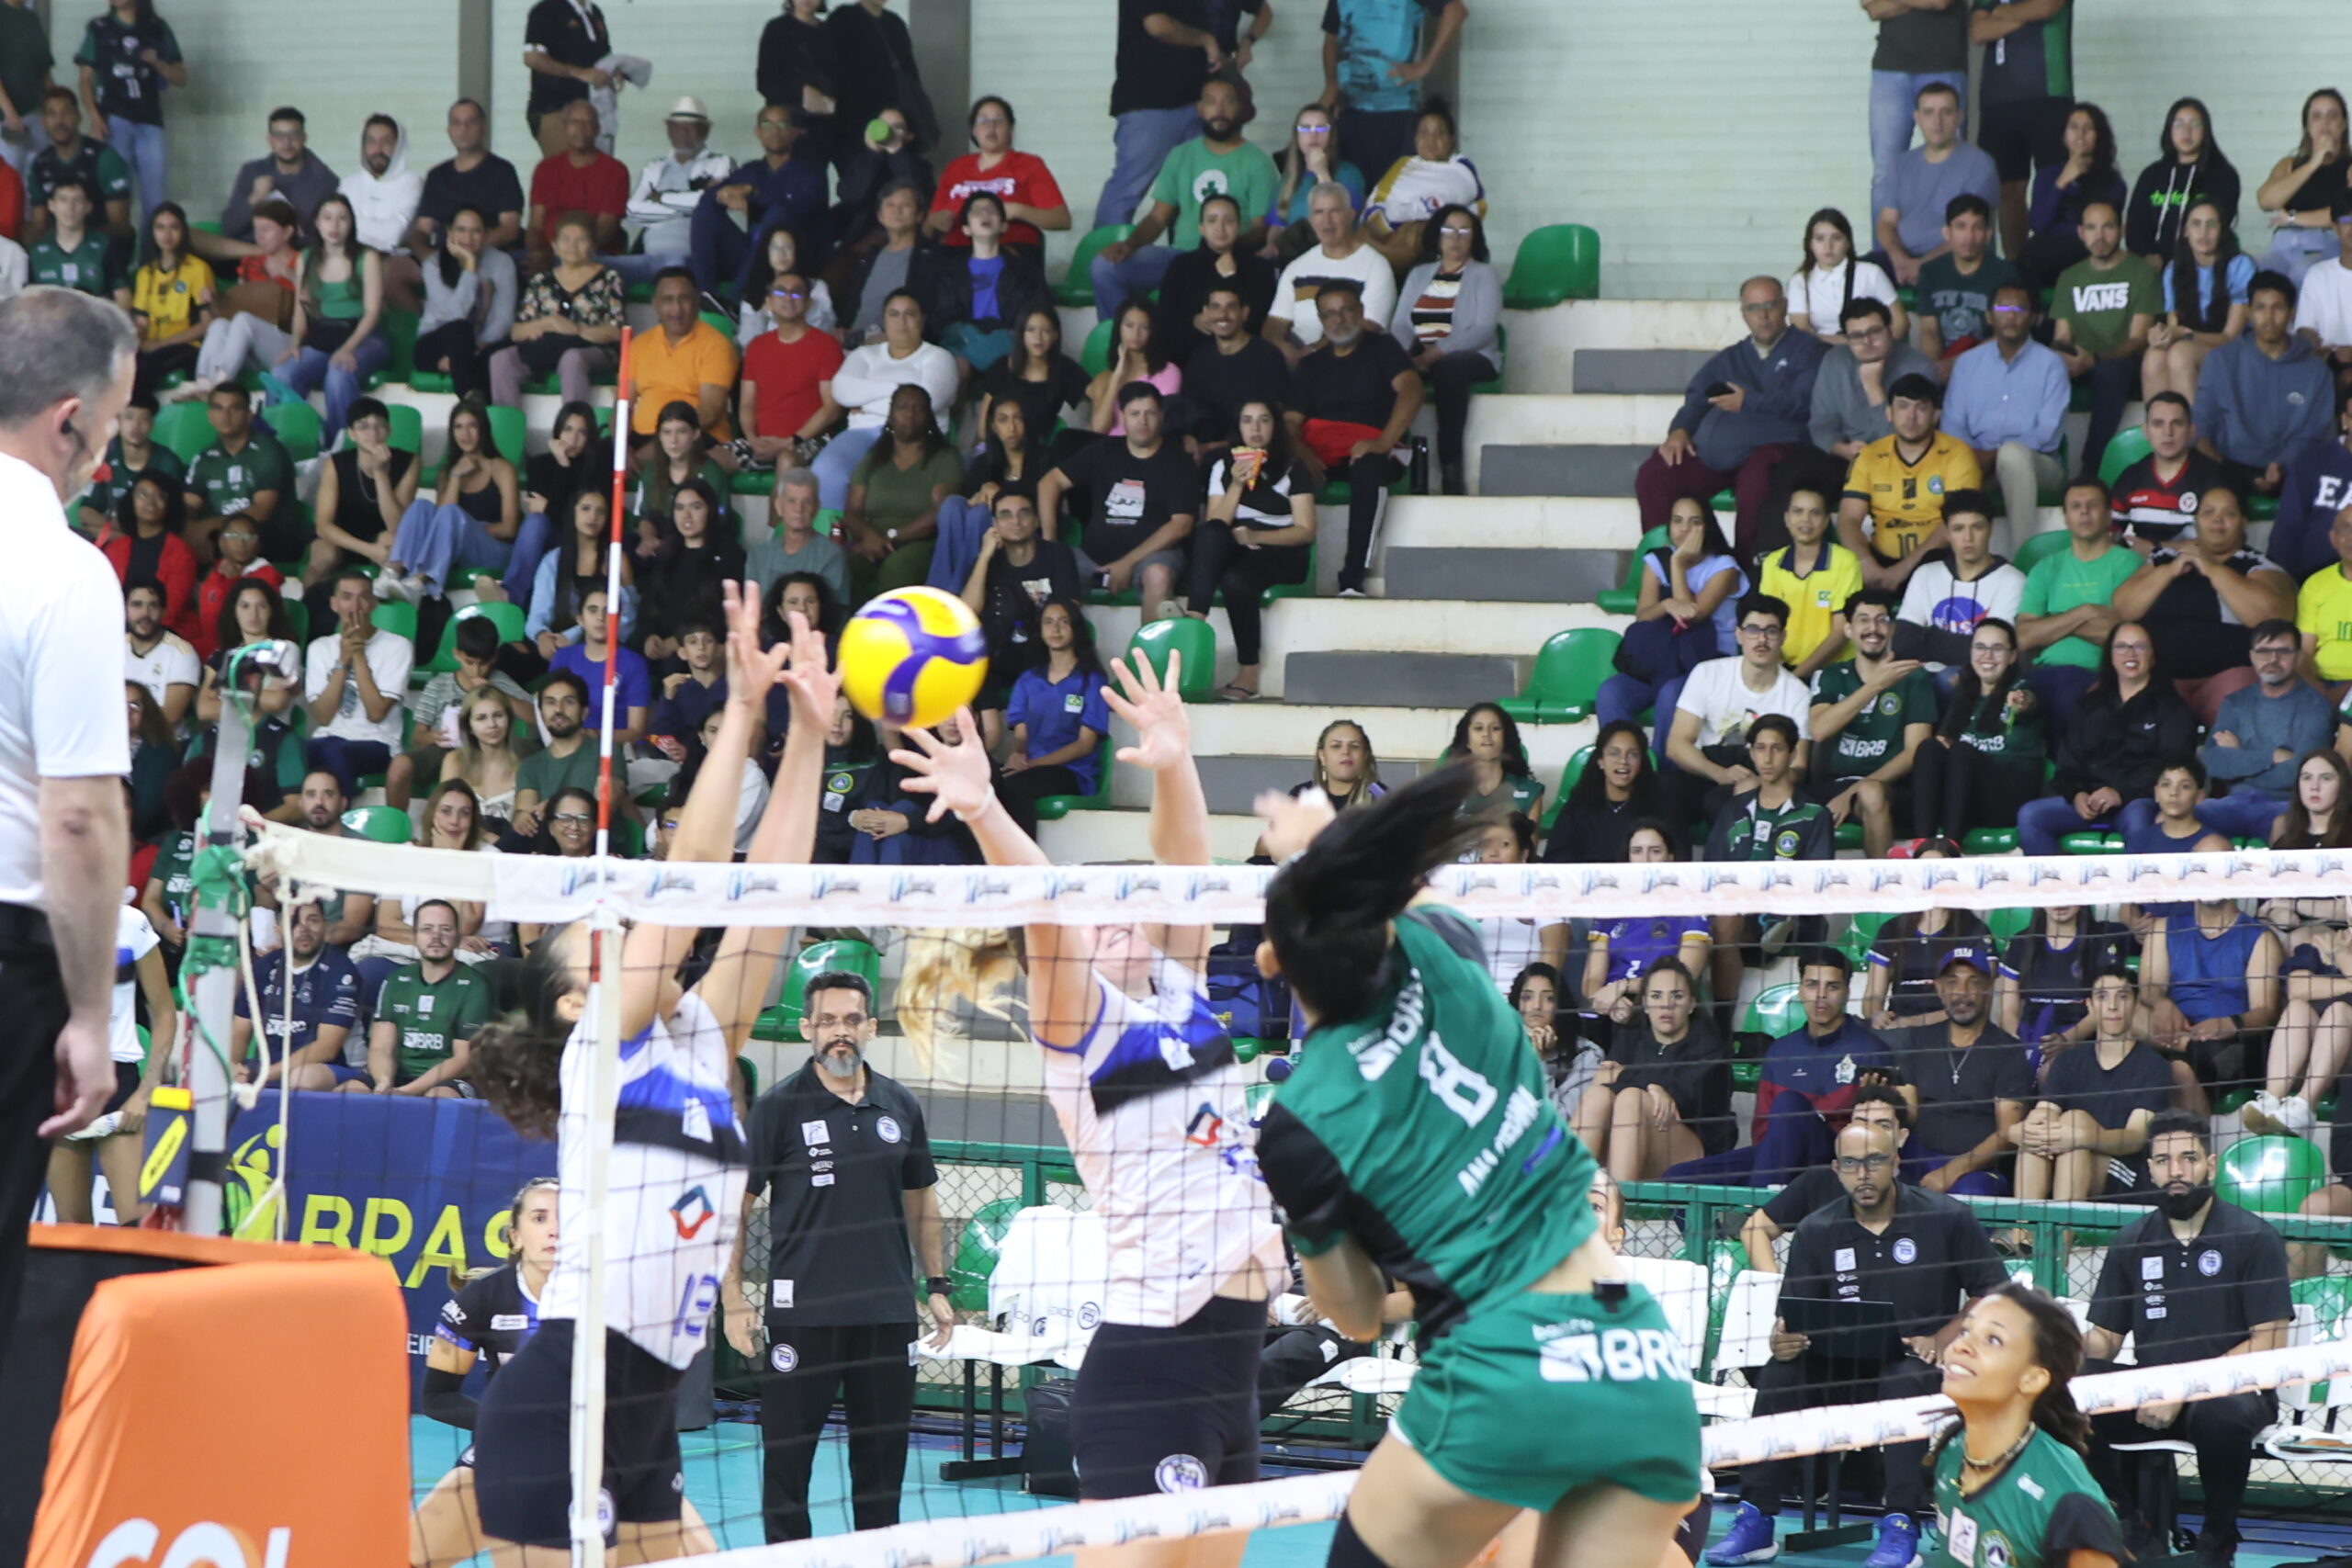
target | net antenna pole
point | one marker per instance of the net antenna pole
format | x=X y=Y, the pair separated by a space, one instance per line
x=603 y=1085
x=217 y=927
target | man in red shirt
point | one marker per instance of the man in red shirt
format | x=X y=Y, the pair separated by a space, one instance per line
x=787 y=391
x=1032 y=200
x=577 y=179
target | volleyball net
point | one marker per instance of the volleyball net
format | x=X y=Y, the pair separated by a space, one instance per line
x=1006 y=1223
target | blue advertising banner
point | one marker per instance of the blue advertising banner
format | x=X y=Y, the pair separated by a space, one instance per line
x=423 y=1183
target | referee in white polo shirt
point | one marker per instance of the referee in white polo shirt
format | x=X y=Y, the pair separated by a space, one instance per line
x=65 y=373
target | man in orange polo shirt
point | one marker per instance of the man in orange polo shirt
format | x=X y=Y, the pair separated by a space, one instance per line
x=684 y=360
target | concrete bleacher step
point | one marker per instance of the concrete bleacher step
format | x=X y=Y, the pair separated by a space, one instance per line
x=1637 y=371
x=1233 y=783
x=1440 y=680
x=1511 y=522
x=1553 y=470
x=1097 y=838
x=1534 y=575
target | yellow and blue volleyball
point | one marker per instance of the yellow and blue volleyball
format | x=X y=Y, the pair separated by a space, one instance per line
x=912 y=657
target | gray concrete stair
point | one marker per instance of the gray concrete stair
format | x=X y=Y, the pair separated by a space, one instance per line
x=1401 y=680
x=1637 y=369
x=1523 y=576
x=1233 y=783
x=1559 y=470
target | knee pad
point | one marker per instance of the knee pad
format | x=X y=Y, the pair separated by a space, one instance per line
x=1348 y=1549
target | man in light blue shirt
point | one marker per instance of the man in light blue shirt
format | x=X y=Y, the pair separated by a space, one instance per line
x=2007 y=400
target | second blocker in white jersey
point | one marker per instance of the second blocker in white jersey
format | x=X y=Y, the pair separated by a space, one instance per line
x=1150 y=1103
x=674 y=1189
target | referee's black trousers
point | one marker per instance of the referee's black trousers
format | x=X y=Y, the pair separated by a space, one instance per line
x=1808 y=1382
x=30 y=1024
x=867 y=1366
x=2221 y=1430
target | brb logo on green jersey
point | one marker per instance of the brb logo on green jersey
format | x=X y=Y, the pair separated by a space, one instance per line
x=1578 y=1351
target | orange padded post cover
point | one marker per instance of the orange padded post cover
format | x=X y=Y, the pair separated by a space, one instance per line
x=254 y=1413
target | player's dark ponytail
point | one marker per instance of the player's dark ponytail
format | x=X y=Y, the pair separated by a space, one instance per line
x=1327 y=911
x=517 y=1059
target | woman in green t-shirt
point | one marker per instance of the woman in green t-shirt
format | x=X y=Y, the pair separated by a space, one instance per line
x=2012 y=1490
x=891 y=524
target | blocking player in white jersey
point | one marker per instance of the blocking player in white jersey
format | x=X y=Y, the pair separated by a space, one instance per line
x=1145 y=1082
x=678 y=1164
x=116 y=1135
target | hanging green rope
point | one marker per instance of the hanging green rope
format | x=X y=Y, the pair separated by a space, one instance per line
x=217 y=880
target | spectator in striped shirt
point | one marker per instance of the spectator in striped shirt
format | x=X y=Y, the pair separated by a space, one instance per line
x=1446 y=318
x=2155 y=500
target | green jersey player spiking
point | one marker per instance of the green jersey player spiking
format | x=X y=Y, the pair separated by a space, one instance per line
x=1414 y=1139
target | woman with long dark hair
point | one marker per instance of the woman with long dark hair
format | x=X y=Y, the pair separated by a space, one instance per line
x=1217 y=262
x=2207 y=285
x=340 y=310
x=1417 y=187
x=1831 y=275
x=147 y=544
x=2304 y=187
x=1487 y=745
x=1057 y=716
x=1449 y=316
x=1459 y=1180
x=2114 y=746
x=1312 y=157
x=1688 y=612
x=1984 y=761
x=2042 y=993
x=571 y=571
x=1607 y=800
x=1663 y=1096
x=1257 y=531
x=1140 y=351
x=549 y=481
x=2189 y=164
x=470 y=294
x=2012 y=1471
x=472 y=521
x=2312 y=1044
x=680 y=1131
x=2061 y=191
x=171 y=297
x=680 y=452
x=682 y=580
x=1037 y=375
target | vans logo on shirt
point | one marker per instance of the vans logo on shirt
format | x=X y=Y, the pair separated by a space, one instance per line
x=2102 y=296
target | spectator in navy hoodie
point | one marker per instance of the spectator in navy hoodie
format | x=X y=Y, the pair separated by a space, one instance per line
x=1746 y=410
x=2266 y=396
x=2318 y=486
x=783 y=187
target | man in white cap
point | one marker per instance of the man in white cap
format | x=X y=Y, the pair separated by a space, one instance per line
x=660 y=210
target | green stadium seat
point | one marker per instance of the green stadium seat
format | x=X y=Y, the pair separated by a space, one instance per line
x=752 y=481
x=408 y=428
x=1094 y=357
x=297 y=429
x=185 y=428
x=1848 y=835
x=1302 y=589
x=509 y=431
x=431 y=381
x=723 y=325
x=1566 y=678
x=2040 y=548
x=297 y=612
x=206 y=225
x=2271 y=1176
x=1556 y=264
x=1579 y=760
x=1192 y=644
x=1076 y=288
x=383 y=824
x=400 y=339
x=1723 y=504
x=2128 y=447
x=1861 y=929
x=1990 y=840
x=1625 y=601
x=827 y=521
x=1053 y=807
x=2091 y=842
x=398 y=619
x=2005 y=924
x=629 y=837
x=817 y=958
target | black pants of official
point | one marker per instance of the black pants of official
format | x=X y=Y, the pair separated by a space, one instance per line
x=1809 y=1382
x=1220 y=560
x=29 y=1029
x=867 y=1368
x=1296 y=1357
x=2221 y=1431
x=1368 y=478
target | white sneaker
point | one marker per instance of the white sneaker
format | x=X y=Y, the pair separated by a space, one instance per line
x=2264 y=1114
x=391 y=588
x=2295 y=1116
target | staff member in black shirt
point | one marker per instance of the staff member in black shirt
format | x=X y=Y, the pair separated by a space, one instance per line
x=1874 y=1105
x=1889 y=1242
x=1353 y=398
x=1233 y=367
x=2196 y=1280
x=1968 y=1082
x=841 y=1152
x=563 y=42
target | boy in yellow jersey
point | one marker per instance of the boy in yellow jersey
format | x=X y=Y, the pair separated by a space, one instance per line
x=1893 y=511
x=1813 y=576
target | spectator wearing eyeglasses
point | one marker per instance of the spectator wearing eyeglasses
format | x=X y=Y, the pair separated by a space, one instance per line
x=2006 y=401
x=1850 y=390
x=1447 y=314
x=2261 y=731
x=290 y=171
x=1706 y=739
x=2112 y=746
x=786 y=397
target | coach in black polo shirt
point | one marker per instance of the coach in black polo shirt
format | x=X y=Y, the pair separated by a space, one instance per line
x=1968 y=1081
x=2196 y=1280
x=1888 y=1242
x=841 y=1153
x=1874 y=1105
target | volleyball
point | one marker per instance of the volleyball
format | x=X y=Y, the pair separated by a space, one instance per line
x=912 y=657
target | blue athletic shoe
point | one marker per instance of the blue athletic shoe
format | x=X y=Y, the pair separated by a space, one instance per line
x=1749 y=1540
x=1898 y=1543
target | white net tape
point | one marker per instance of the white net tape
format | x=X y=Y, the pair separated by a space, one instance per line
x=542 y=888
x=1310 y=1499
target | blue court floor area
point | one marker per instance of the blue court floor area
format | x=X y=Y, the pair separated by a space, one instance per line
x=723 y=1480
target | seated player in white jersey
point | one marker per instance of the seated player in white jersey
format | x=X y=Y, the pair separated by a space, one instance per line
x=1144 y=1080
x=116 y=1134
x=677 y=1164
